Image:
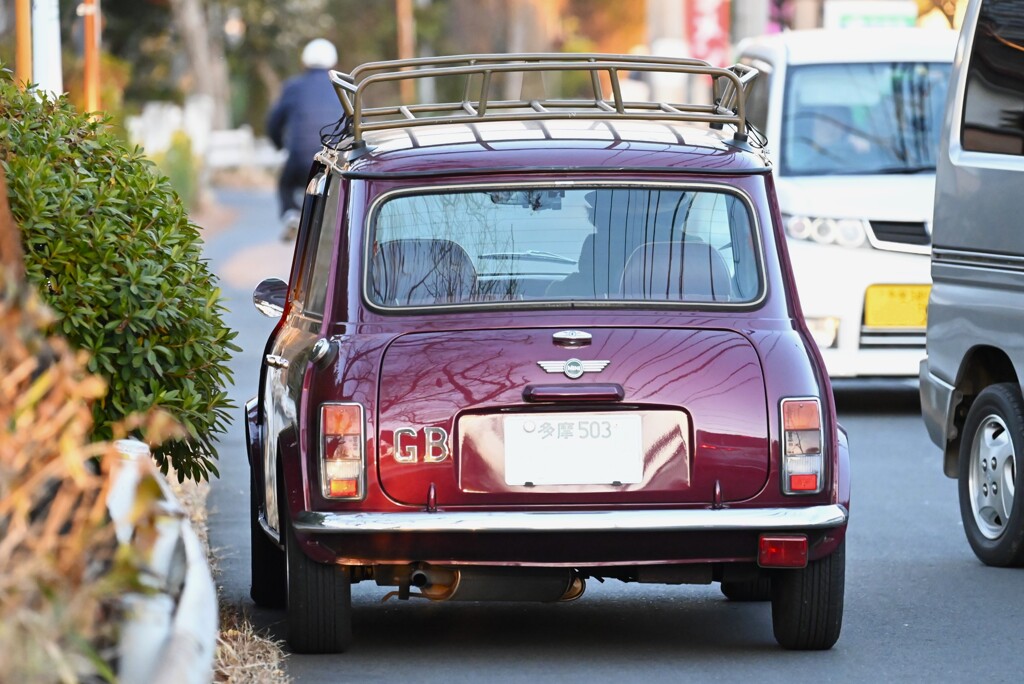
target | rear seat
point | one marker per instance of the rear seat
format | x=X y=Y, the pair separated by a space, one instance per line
x=690 y=270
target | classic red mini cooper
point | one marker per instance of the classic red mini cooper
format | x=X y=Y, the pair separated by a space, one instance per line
x=531 y=341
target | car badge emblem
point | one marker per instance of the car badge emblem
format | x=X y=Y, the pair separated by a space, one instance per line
x=573 y=368
x=572 y=338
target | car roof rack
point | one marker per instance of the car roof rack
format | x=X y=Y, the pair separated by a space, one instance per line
x=479 y=104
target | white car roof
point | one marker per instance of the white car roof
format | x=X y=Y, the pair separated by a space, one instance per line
x=831 y=46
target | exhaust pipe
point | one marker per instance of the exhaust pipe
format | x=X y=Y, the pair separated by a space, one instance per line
x=546 y=585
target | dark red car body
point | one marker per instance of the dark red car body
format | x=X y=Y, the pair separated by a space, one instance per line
x=440 y=517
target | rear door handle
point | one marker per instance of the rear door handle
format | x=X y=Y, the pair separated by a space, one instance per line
x=276 y=361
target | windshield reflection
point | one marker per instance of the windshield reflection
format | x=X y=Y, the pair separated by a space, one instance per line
x=862 y=118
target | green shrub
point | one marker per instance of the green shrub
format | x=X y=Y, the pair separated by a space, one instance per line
x=110 y=247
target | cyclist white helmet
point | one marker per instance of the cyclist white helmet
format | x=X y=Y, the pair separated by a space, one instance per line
x=319 y=54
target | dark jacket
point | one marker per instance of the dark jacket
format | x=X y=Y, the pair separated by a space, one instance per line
x=307 y=104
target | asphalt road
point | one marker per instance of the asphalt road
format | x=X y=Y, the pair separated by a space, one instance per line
x=919 y=606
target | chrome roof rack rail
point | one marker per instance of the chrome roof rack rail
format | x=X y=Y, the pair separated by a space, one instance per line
x=479 y=104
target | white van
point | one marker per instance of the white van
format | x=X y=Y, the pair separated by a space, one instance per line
x=971 y=396
x=852 y=119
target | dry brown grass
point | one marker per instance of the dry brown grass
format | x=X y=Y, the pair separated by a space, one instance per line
x=61 y=569
x=56 y=609
x=243 y=655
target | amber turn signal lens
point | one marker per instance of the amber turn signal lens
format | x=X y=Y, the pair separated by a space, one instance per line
x=341 y=419
x=800 y=415
x=344 y=488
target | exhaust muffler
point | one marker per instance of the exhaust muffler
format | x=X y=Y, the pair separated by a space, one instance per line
x=546 y=585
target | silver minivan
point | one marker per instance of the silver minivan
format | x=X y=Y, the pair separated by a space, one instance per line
x=971 y=379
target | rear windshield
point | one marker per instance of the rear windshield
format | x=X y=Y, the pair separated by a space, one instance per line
x=545 y=244
x=863 y=118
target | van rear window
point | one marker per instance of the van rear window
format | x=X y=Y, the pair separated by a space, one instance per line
x=993 y=118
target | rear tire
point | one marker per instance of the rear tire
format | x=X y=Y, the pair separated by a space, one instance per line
x=269 y=587
x=807 y=604
x=759 y=589
x=990 y=458
x=319 y=600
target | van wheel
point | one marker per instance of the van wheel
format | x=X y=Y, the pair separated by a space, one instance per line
x=807 y=604
x=990 y=452
x=759 y=589
x=319 y=600
x=269 y=587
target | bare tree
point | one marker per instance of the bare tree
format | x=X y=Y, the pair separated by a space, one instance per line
x=12 y=263
x=205 y=49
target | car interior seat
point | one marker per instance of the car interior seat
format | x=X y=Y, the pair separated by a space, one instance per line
x=688 y=270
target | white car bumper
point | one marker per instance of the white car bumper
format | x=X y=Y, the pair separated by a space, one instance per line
x=832 y=282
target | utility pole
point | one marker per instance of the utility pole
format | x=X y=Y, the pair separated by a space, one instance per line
x=23 y=42
x=666 y=38
x=406 y=44
x=89 y=10
x=46 y=56
x=749 y=18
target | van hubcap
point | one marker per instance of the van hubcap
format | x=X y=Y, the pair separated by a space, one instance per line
x=992 y=477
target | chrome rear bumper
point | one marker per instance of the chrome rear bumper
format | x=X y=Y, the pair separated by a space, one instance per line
x=689 y=520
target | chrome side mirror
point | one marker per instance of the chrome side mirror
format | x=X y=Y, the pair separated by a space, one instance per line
x=270 y=296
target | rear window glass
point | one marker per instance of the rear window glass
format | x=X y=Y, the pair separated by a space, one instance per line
x=546 y=244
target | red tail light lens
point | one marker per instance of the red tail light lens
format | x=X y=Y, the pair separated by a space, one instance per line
x=782 y=551
x=803 y=460
x=803 y=483
x=342 y=440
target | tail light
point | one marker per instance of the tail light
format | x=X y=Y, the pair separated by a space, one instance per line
x=782 y=551
x=803 y=463
x=342 y=447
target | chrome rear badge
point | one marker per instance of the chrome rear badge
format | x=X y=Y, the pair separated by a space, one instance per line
x=573 y=368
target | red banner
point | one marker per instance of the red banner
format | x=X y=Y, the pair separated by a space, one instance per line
x=707 y=31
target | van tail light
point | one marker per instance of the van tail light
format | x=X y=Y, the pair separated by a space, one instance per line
x=342 y=448
x=803 y=463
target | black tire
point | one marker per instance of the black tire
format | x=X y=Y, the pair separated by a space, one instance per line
x=807 y=604
x=319 y=601
x=269 y=588
x=759 y=589
x=993 y=435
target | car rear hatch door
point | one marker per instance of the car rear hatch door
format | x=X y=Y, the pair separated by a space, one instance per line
x=530 y=417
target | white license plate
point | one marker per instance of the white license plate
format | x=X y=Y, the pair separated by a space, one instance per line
x=573 y=449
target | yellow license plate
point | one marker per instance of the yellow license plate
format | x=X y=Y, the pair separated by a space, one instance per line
x=896 y=306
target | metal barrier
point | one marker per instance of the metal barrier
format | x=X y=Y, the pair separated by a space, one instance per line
x=169 y=634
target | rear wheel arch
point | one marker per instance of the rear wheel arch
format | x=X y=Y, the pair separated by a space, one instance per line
x=287 y=463
x=253 y=436
x=982 y=366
